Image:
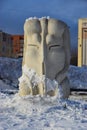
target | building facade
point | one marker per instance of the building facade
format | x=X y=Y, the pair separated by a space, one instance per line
x=5 y=44
x=82 y=42
x=18 y=42
x=11 y=45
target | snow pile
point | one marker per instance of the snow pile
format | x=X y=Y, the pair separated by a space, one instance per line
x=36 y=113
x=10 y=70
x=4 y=86
x=78 y=77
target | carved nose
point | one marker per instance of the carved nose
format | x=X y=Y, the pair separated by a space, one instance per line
x=43 y=43
x=43 y=55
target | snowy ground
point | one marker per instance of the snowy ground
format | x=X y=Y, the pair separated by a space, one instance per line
x=78 y=77
x=37 y=113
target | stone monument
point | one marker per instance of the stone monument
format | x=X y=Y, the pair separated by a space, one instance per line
x=46 y=52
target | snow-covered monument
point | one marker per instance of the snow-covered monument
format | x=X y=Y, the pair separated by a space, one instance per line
x=46 y=58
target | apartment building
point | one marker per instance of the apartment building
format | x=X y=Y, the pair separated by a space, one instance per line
x=18 y=42
x=11 y=45
x=5 y=44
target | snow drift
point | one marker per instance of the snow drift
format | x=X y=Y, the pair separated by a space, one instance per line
x=11 y=70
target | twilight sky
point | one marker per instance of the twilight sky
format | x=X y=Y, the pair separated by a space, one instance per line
x=14 y=12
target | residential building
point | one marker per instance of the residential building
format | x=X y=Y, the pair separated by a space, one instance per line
x=18 y=42
x=5 y=44
x=11 y=45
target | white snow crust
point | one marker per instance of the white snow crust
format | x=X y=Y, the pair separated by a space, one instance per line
x=30 y=18
x=36 y=113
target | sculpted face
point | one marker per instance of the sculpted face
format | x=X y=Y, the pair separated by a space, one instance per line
x=55 y=60
x=32 y=52
x=47 y=47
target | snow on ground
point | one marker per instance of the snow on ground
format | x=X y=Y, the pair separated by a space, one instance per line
x=10 y=70
x=36 y=113
x=4 y=86
x=39 y=113
x=78 y=77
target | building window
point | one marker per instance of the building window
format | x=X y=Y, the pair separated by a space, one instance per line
x=3 y=49
x=4 y=37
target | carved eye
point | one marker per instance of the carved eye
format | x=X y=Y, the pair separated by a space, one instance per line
x=36 y=37
x=49 y=39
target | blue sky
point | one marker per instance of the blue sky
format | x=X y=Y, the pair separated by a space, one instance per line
x=14 y=12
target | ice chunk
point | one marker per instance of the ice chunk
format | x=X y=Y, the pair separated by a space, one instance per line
x=30 y=77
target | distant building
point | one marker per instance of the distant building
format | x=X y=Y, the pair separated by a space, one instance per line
x=82 y=42
x=11 y=45
x=5 y=44
x=18 y=42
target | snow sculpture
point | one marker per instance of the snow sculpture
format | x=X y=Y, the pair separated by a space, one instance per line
x=46 y=52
